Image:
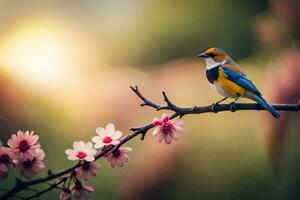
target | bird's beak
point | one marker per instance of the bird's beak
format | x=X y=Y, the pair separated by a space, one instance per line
x=203 y=55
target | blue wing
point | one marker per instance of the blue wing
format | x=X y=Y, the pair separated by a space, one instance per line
x=241 y=80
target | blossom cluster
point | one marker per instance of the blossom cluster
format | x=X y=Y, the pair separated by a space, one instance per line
x=86 y=153
x=165 y=129
x=24 y=153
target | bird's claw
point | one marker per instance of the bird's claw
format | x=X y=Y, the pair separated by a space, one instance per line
x=213 y=107
x=232 y=106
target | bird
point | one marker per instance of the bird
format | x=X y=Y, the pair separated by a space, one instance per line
x=229 y=80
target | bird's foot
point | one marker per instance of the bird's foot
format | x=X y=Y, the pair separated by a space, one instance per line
x=232 y=106
x=213 y=107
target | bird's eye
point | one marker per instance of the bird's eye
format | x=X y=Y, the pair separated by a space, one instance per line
x=212 y=55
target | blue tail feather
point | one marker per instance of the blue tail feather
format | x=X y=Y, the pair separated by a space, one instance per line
x=267 y=106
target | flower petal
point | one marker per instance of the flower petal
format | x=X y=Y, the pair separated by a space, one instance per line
x=160 y=137
x=156 y=121
x=156 y=131
x=115 y=142
x=70 y=152
x=178 y=122
x=34 y=139
x=26 y=135
x=75 y=145
x=125 y=149
x=89 y=158
x=167 y=138
x=174 y=135
x=93 y=152
x=110 y=128
x=117 y=135
x=96 y=139
x=89 y=146
x=165 y=118
x=100 y=131
x=99 y=145
x=81 y=145
x=72 y=157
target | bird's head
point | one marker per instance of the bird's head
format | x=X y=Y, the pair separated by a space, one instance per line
x=216 y=55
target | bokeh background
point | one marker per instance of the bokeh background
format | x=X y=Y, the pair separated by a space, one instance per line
x=66 y=68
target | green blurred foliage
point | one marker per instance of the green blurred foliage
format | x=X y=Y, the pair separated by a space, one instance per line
x=169 y=29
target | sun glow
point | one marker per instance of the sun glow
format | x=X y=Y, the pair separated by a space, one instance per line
x=37 y=52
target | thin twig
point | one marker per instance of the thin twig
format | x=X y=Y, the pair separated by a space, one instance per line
x=177 y=112
x=38 y=194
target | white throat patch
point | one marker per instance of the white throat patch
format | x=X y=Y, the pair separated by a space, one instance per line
x=210 y=63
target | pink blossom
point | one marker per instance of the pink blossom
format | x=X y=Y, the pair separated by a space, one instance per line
x=24 y=145
x=166 y=129
x=87 y=169
x=80 y=190
x=65 y=194
x=118 y=157
x=107 y=136
x=81 y=151
x=5 y=160
x=28 y=168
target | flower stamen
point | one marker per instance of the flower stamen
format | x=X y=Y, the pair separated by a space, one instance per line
x=81 y=155
x=24 y=146
x=107 y=139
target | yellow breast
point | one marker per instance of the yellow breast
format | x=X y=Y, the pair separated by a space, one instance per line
x=230 y=89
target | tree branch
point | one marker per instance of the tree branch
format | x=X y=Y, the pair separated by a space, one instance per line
x=177 y=112
x=51 y=187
